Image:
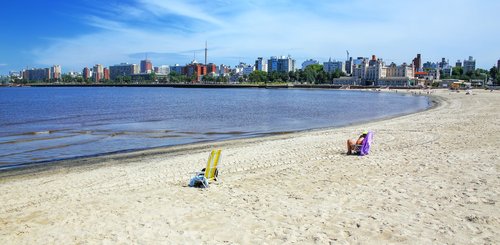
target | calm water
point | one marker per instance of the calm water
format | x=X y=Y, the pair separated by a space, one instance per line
x=42 y=124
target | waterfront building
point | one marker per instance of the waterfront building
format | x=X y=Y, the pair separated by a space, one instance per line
x=86 y=73
x=261 y=64
x=146 y=66
x=195 y=69
x=224 y=70
x=36 y=74
x=97 y=73
x=123 y=70
x=348 y=66
x=15 y=74
x=55 y=72
x=162 y=70
x=211 y=68
x=286 y=64
x=248 y=69
x=332 y=66
x=178 y=69
x=469 y=65
x=272 y=64
x=105 y=73
x=308 y=63
x=417 y=63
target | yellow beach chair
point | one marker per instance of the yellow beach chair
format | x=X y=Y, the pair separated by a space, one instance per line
x=211 y=171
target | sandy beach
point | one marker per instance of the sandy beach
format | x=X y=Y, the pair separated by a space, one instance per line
x=431 y=178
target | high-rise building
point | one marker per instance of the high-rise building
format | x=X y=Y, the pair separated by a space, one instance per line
x=261 y=64
x=146 y=66
x=444 y=63
x=86 y=73
x=211 y=68
x=97 y=73
x=122 y=70
x=37 y=74
x=458 y=63
x=55 y=72
x=348 y=66
x=469 y=65
x=332 y=66
x=498 y=65
x=286 y=64
x=417 y=63
x=272 y=64
x=195 y=69
x=105 y=72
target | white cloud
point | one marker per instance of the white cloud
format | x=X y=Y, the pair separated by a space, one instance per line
x=393 y=30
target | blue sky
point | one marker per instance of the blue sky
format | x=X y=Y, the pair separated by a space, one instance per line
x=80 y=33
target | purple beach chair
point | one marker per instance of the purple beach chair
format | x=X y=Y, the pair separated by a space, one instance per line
x=364 y=148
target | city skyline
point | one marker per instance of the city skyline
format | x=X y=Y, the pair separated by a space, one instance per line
x=83 y=33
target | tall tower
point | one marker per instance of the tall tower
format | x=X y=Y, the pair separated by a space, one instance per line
x=206 y=52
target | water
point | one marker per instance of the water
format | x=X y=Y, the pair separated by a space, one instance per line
x=44 y=124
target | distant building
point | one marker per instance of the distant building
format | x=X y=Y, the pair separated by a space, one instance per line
x=211 y=68
x=332 y=66
x=105 y=73
x=308 y=63
x=97 y=73
x=374 y=72
x=247 y=70
x=417 y=63
x=444 y=63
x=261 y=64
x=224 y=70
x=458 y=63
x=86 y=73
x=37 y=74
x=272 y=64
x=282 y=64
x=178 y=69
x=55 y=72
x=195 y=69
x=162 y=70
x=73 y=74
x=498 y=65
x=348 y=66
x=430 y=65
x=123 y=70
x=146 y=66
x=469 y=65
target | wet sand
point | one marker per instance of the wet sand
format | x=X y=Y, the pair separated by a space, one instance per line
x=431 y=177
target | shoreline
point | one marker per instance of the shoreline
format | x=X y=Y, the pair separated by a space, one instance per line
x=424 y=181
x=48 y=165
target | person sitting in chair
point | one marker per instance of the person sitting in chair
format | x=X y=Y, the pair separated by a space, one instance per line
x=351 y=144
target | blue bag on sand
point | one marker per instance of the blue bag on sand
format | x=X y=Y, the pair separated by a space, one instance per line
x=199 y=181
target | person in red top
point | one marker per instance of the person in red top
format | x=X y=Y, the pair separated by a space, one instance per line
x=351 y=144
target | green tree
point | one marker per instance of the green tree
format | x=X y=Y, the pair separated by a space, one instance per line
x=457 y=71
x=493 y=72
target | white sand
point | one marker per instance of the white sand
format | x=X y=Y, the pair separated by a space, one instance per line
x=432 y=177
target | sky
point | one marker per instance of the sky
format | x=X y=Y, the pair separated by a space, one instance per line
x=80 y=33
